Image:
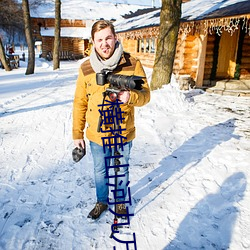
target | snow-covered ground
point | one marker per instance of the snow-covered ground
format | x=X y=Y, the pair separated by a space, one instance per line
x=189 y=169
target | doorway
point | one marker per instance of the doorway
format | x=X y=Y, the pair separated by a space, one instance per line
x=228 y=47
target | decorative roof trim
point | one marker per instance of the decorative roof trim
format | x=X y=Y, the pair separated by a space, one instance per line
x=229 y=24
x=219 y=25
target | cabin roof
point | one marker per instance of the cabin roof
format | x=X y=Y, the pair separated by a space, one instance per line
x=140 y=21
x=84 y=10
x=193 y=10
x=208 y=9
x=77 y=32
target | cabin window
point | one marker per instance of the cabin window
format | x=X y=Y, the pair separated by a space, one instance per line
x=146 y=45
x=152 y=45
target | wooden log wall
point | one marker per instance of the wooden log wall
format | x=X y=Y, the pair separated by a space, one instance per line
x=131 y=46
x=186 y=55
x=178 y=61
x=47 y=45
x=66 y=44
x=50 y=22
x=79 y=46
x=146 y=59
x=185 y=59
x=73 y=45
x=190 y=56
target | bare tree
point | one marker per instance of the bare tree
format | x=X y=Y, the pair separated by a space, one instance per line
x=36 y=3
x=168 y=34
x=56 y=59
x=11 y=16
x=29 y=39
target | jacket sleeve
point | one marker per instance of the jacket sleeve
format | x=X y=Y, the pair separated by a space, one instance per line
x=80 y=105
x=141 y=97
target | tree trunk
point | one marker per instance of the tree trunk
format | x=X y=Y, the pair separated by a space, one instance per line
x=168 y=34
x=56 y=59
x=28 y=33
x=3 y=57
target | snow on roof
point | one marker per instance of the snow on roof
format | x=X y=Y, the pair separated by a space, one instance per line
x=192 y=10
x=85 y=10
x=197 y=9
x=79 y=32
x=145 y=20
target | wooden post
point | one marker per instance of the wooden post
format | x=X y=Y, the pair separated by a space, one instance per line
x=201 y=60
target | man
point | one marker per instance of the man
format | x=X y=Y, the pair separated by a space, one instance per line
x=107 y=54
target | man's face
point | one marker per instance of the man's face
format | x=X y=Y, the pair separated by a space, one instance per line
x=104 y=42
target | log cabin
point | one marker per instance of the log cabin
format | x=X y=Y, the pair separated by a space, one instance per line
x=74 y=37
x=213 y=41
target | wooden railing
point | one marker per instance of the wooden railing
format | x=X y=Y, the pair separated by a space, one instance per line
x=63 y=55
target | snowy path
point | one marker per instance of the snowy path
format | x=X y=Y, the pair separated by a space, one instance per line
x=189 y=170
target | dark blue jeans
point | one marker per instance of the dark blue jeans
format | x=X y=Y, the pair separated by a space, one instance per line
x=102 y=188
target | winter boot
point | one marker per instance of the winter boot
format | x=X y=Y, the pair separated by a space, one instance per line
x=97 y=210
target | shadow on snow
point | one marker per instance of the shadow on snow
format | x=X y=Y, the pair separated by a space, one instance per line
x=22 y=110
x=210 y=223
x=190 y=153
x=214 y=220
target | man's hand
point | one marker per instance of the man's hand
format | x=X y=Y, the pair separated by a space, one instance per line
x=79 y=143
x=123 y=96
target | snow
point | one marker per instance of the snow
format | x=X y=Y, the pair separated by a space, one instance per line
x=84 y=33
x=197 y=9
x=189 y=169
x=155 y=3
x=192 y=10
x=145 y=20
x=86 y=10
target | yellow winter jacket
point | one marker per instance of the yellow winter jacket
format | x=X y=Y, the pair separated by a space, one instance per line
x=88 y=95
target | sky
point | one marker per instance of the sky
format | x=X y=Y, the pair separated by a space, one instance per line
x=189 y=169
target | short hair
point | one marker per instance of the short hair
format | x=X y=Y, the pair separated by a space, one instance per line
x=102 y=24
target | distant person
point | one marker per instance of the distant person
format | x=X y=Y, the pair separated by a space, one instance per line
x=11 y=50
